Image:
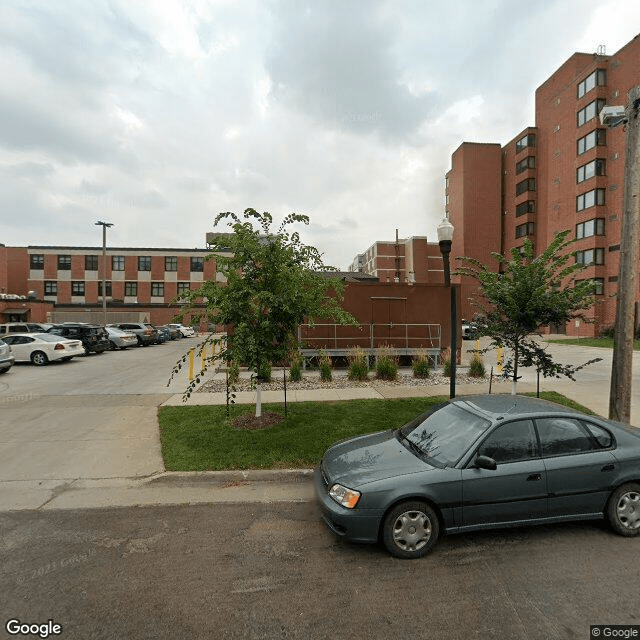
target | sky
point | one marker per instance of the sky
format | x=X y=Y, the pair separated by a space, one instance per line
x=156 y=115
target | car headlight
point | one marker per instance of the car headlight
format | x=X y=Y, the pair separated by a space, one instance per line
x=343 y=496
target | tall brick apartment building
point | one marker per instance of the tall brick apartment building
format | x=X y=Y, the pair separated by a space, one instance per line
x=566 y=172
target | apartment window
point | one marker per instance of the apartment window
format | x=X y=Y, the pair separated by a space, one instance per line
x=599 y=286
x=182 y=287
x=64 y=263
x=91 y=263
x=197 y=264
x=157 y=289
x=144 y=263
x=36 y=261
x=107 y=287
x=590 y=199
x=597 y=137
x=590 y=256
x=525 y=229
x=596 y=167
x=591 y=111
x=526 y=141
x=117 y=263
x=170 y=263
x=50 y=288
x=590 y=228
x=526 y=163
x=131 y=289
x=526 y=185
x=525 y=207
x=77 y=288
x=596 y=79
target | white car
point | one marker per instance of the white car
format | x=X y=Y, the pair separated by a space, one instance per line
x=41 y=348
x=187 y=332
x=119 y=339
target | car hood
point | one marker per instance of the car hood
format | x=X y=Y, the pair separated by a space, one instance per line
x=368 y=458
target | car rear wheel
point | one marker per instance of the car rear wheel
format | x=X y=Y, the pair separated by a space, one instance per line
x=623 y=510
x=410 y=530
x=39 y=358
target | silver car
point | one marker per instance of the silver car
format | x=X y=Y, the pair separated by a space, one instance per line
x=119 y=339
x=6 y=357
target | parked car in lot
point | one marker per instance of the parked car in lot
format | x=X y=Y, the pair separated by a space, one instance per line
x=145 y=333
x=469 y=330
x=93 y=337
x=480 y=462
x=187 y=332
x=23 y=327
x=164 y=333
x=6 y=357
x=41 y=348
x=119 y=339
x=174 y=332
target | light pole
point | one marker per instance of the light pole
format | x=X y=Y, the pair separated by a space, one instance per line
x=621 y=367
x=104 y=226
x=445 y=238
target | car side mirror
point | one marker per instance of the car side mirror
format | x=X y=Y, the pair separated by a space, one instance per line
x=485 y=462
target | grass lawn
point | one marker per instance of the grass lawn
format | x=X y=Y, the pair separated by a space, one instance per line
x=201 y=438
x=607 y=343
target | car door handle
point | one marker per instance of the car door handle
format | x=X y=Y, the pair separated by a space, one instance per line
x=608 y=467
x=534 y=476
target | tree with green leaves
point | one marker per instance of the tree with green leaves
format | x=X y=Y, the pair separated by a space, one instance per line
x=526 y=294
x=271 y=283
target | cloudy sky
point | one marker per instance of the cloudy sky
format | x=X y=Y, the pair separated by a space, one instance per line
x=156 y=115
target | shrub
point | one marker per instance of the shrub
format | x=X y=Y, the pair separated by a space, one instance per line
x=325 y=367
x=446 y=362
x=607 y=332
x=386 y=365
x=295 y=369
x=421 y=366
x=263 y=374
x=233 y=369
x=476 y=366
x=358 y=364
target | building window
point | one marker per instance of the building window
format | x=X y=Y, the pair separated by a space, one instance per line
x=64 y=263
x=183 y=287
x=525 y=207
x=597 y=137
x=591 y=111
x=117 y=263
x=77 y=288
x=197 y=264
x=526 y=185
x=50 y=288
x=36 y=261
x=590 y=228
x=91 y=263
x=590 y=199
x=170 y=263
x=525 y=229
x=107 y=287
x=144 y=263
x=526 y=141
x=596 y=79
x=157 y=289
x=526 y=163
x=590 y=256
x=594 y=168
x=131 y=289
x=599 y=286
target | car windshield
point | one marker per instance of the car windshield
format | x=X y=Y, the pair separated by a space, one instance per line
x=445 y=435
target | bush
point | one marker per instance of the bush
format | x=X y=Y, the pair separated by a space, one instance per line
x=295 y=369
x=233 y=370
x=263 y=374
x=476 y=366
x=421 y=366
x=325 y=367
x=446 y=362
x=607 y=332
x=358 y=364
x=386 y=365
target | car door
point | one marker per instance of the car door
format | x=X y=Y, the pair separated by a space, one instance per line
x=516 y=490
x=578 y=464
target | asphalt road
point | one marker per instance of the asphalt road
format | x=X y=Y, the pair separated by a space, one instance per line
x=273 y=571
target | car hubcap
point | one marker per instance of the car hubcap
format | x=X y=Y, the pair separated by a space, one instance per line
x=629 y=510
x=412 y=531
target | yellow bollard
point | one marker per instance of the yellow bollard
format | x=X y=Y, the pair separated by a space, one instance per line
x=500 y=359
x=204 y=356
x=192 y=355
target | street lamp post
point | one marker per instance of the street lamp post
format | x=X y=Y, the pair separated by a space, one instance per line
x=445 y=238
x=104 y=226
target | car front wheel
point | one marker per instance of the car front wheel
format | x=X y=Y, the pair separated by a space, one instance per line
x=410 y=530
x=39 y=358
x=623 y=510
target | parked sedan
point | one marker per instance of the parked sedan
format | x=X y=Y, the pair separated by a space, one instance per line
x=6 y=357
x=119 y=339
x=480 y=462
x=41 y=348
x=187 y=332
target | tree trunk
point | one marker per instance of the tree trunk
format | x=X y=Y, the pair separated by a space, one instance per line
x=514 y=384
x=258 y=400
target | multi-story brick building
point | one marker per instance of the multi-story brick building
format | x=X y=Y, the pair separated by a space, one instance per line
x=411 y=260
x=566 y=172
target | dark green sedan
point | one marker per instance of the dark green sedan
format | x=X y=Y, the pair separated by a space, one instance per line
x=480 y=462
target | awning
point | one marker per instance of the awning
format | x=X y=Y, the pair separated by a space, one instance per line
x=15 y=312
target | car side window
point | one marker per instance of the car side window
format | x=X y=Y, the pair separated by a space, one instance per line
x=602 y=436
x=562 y=436
x=511 y=442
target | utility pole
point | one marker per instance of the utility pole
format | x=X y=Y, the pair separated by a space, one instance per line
x=104 y=226
x=621 y=369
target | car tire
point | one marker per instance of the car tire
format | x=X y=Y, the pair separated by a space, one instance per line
x=39 y=358
x=623 y=509
x=410 y=530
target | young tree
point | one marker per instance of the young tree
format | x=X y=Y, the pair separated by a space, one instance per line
x=273 y=282
x=526 y=294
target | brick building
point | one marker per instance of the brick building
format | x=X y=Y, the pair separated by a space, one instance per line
x=566 y=172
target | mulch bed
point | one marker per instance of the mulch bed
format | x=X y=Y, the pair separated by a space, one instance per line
x=249 y=420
